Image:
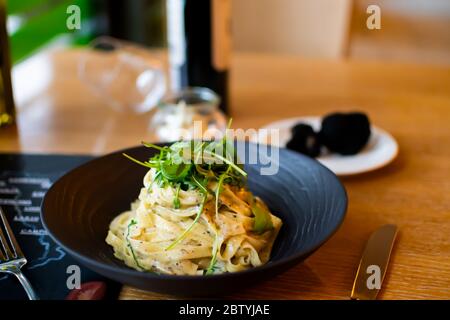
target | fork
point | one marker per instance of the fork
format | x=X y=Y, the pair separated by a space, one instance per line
x=12 y=258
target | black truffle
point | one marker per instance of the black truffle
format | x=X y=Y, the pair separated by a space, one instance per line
x=304 y=140
x=345 y=133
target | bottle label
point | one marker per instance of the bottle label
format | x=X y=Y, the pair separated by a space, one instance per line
x=221 y=34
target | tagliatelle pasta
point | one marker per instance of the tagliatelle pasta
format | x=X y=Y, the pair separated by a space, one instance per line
x=175 y=228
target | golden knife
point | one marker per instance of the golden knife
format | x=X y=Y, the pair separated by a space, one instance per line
x=374 y=262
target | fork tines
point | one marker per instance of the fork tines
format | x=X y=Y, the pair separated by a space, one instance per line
x=9 y=247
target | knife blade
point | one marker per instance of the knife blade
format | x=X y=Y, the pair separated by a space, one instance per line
x=374 y=261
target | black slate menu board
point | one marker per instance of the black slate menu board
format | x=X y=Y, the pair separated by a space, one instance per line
x=24 y=179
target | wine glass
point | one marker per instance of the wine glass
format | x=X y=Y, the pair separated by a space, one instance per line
x=117 y=71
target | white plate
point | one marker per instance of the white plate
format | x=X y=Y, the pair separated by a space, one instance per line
x=379 y=151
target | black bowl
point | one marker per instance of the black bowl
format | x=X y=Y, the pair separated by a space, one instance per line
x=78 y=208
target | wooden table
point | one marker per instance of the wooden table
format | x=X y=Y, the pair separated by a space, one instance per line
x=410 y=101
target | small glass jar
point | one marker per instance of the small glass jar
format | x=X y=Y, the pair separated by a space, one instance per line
x=192 y=113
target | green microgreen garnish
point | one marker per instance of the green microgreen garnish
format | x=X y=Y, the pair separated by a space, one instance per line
x=176 y=199
x=222 y=177
x=193 y=165
x=145 y=164
x=132 y=223
x=186 y=231
x=229 y=162
x=215 y=250
x=154 y=146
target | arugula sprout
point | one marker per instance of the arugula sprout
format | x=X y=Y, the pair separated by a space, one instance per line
x=145 y=164
x=185 y=232
x=215 y=250
x=132 y=223
x=176 y=199
x=192 y=165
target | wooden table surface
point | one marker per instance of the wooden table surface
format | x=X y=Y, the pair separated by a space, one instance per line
x=412 y=102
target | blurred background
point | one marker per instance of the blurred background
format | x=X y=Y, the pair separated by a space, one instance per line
x=412 y=32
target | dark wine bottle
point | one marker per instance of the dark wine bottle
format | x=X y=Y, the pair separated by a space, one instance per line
x=199 y=44
x=139 y=21
x=6 y=95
